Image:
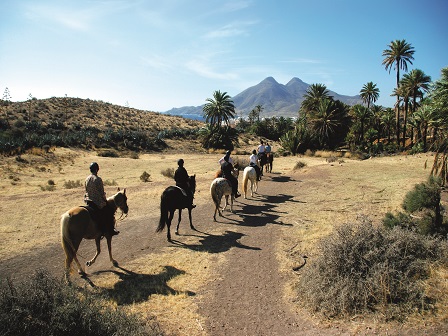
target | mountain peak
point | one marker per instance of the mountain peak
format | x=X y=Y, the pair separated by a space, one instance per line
x=270 y=80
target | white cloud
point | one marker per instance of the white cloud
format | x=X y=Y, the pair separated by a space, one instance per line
x=204 y=70
x=231 y=30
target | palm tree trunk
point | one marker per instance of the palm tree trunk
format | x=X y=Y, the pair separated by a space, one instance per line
x=405 y=120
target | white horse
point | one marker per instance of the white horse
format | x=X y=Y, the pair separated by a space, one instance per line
x=221 y=187
x=250 y=174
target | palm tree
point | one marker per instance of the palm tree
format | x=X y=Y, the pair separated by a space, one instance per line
x=377 y=114
x=327 y=119
x=369 y=93
x=414 y=84
x=314 y=94
x=399 y=54
x=388 y=121
x=361 y=115
x=418 y=84
x=424 y=117
x=403 y=93
x=259 y=109
x=219 y=109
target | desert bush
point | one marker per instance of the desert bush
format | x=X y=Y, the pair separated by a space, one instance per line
x=44 y=305
x=110 y=183
x=144 y=177
x=108 y=153
x=168 y=172
x=423 y=211
x=361 y=268
x=50 y=186
x=72 y=184
x=299 y=165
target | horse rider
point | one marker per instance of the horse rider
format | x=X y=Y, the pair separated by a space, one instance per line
x=221 y=160
x=261 y=152
x=182 y=181
x=267 y=149
x=253 y=162
x=95 y=198
x=226 y=169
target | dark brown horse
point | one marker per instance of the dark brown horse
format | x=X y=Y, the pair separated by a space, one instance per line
x=174 y=198
x=77 y=224
x=269 y=162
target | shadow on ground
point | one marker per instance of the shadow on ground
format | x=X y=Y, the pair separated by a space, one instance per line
x=134 y=287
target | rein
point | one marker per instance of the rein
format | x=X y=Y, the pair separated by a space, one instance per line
x=121 y=218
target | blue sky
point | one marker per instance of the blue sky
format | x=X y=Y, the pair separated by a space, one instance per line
x=155 y=55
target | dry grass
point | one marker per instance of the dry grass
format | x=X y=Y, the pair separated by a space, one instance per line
x=324 y=195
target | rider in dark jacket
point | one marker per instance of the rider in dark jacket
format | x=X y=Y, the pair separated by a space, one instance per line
x=227 y=168
x=182 y=180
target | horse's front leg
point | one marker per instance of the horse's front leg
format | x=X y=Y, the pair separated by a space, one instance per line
x=98 y=251
x=109 y=247
x=178 y=222
x=231 y=202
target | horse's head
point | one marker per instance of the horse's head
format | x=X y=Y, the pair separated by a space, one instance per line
x=236 y=170
x=192 y=183
x=121 y=200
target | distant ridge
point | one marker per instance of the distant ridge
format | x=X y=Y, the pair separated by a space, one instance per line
x=277 y=99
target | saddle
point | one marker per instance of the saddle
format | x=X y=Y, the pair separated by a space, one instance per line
x=89 y=209
x=182 y=190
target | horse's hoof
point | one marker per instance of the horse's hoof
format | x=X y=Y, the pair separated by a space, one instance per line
x=176 y=233
x=82 y=274
x=89 y=263
x=115 y=263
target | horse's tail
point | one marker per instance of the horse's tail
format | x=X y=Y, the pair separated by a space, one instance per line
x=245 y=179
x=214 y=194
x=163 y=213
x=66 y=240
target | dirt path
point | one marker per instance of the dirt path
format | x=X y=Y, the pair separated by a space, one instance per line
x=248 y=295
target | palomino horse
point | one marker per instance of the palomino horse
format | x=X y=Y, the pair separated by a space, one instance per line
x=77 y=224
x=175 y=198
x=269 y=161
x=222 y=187
x=249 y=174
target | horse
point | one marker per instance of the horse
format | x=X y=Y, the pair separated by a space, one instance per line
x=77 y=224
x=174 y=198
x=222 y=187
x=249 y=174
x=269 y=161
x=262 y=159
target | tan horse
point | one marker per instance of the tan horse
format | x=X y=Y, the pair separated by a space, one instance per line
x=77 y=224
x=221 y=187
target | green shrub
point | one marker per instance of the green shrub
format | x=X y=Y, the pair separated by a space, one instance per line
x=423 y=213
x=46 y=306
x=361 y=268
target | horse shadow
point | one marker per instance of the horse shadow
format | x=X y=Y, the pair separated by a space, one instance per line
x=217 y=243
x=260 y=215
x=135 y=287
x=282 y=178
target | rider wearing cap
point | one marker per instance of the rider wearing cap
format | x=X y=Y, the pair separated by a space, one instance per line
x=226 y=169
x=221 y=160
x=95 y=198
x=182 y=180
